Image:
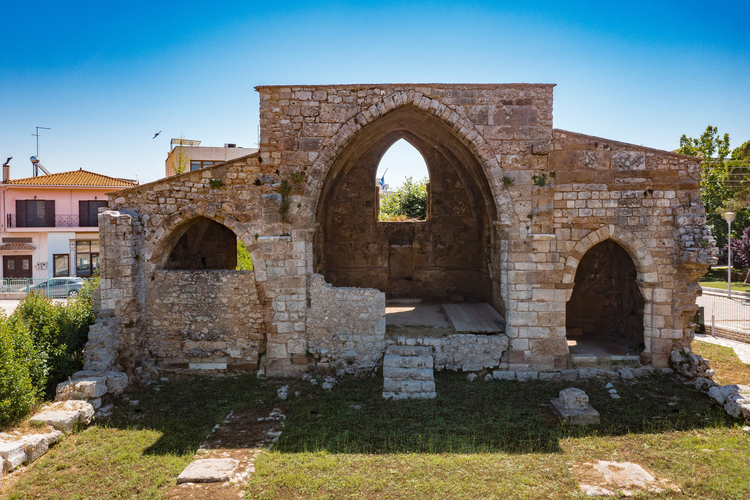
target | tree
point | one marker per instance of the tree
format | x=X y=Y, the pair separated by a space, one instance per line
x=742 y=153
x=407 y=202
x=724 y=184
x=741 y=251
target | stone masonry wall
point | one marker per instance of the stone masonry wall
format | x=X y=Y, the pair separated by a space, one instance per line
x=204 y=320
x=346 y=326
x=550 y=194
x=463 y=351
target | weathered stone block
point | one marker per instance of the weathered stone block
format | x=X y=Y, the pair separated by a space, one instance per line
x=574 y=399
x=60 y=420
x=12 y=454
x=209 y=470
x=34 y=446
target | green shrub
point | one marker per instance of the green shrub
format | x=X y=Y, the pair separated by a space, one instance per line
x=22 y=366
x=58 y=330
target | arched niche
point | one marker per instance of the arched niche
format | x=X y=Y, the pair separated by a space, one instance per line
x=202 y=244
x=606 y=308
x=450 y=250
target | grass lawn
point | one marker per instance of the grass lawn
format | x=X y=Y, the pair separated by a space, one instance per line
x=717 y=278
x=476 y=440
x=729 y=369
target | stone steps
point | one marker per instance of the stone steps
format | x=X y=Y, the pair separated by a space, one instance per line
x=408 y=372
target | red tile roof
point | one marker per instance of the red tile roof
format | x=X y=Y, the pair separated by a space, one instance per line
x=74 y=178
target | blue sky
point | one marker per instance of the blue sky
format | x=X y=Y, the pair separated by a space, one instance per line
x=105 y=76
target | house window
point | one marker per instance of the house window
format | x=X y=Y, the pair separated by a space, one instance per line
x=62 y=264
x=88 y=212
x=199 y=164
x=35 y=213
x=87 y=257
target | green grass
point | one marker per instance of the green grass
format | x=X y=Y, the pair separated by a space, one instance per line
x=716 y=277
x=729 y=369
x=476 y=440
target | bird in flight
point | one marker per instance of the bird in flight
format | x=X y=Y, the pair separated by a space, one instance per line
x=154 y=137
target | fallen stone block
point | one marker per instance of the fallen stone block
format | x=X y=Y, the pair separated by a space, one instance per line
x=12 y=454
x=573 y=408
x=745 y=408
x=209 y=470
x=570 y=374
x=62 y=420
x=733 y=405
x=587 y=373
x=67 y=390
x=51 y=437
x=92 y=387
x=643 y=371
x=116 y=382
x=526 y=376
x=84 y=409
x=718 y=394
x=737 y=389
x=504 y=375
x=574 y=399
x=34 y=446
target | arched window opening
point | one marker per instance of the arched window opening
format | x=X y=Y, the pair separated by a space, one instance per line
x=605 y=311
x=403 y=184
x=206 y=244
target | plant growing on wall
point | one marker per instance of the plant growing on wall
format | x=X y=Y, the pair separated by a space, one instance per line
x=540 y=180
x=180 y=160
x=285 y=190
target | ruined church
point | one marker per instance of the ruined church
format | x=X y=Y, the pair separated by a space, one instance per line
x=538 y=242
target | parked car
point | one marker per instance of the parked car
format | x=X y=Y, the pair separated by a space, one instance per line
x=58 y=288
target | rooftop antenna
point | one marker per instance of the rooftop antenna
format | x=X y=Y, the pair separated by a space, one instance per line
x=34 y=164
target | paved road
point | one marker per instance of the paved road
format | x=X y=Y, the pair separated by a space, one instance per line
x=740 y=348
x=8 y=306
x=734 y=313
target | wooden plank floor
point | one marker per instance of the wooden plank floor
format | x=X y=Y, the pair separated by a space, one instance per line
x=476 y=318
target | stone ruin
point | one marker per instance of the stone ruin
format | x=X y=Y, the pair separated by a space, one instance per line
x=563 y=234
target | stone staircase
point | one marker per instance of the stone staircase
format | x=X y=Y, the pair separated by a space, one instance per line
x=408 y=372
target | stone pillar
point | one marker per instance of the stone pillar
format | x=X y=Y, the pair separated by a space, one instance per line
x=119 y=260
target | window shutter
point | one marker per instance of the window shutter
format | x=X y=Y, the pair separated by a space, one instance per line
x=83 y=213
x=20 y=213
x=49 y=213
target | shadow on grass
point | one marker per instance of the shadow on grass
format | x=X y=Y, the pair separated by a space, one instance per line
x=481 y=416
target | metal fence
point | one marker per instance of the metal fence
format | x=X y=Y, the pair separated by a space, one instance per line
x=721 y=311
x=60 y=220
x=58 y=288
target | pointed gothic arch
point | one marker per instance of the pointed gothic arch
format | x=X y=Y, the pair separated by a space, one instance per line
x=450 y=256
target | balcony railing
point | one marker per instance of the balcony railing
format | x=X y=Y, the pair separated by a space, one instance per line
x=61 y=220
